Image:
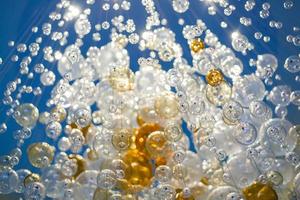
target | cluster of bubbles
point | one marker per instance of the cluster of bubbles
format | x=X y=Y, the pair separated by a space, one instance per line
x=118 y=134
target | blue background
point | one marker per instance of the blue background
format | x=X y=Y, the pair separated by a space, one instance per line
x=17 y=17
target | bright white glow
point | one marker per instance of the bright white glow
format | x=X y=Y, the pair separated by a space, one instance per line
x=235 y=35
x=57 y=55
x=74 y=10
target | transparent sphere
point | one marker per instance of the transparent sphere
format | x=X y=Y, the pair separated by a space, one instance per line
x=196 y=105
x=35 y=191
x=166 y=106
x=242 y=171
x=47 y=78
x=82 y=117
x=248 y=88
x=266 y=65
x=173 y=131
x=295 y=97
x=245 y=133
x=164 y=35
x=288 y=4
x=166 y=53
x=281 y=111
x=232 y=112
x=193 y=167
x=69 y=167
x=84 y=90
x=62 y=94
x=174 y=77
x=121 y=79
x=106 y=179
x=292 y=64
x=110 y=56
x=103 y=144
x=179 y=156
x=218 y=95
x=280 y=95
x=259 y=111
x=179 y=172
x=203 y=61
x=76 y=138
x=156 y=143
x=275 y=177
x=166 y=192
x=239 y=42
x=87 y=183
x=220 y=192
x=275 y=132
x=233 y=196
x=232 y=67
x=68 y=69
x=297 y=183
x=53 y=129
x=8 y=180
x=121 y=139
x=64 y=144
x=26 y=115
x=180 y=6
x=295 y=130
x=52 y=178
x=163 y=173
x=82 y=26
x=22 y=174
x=281 y=173
x=40 y=154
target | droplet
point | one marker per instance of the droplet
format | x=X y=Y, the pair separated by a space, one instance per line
x=26 y=115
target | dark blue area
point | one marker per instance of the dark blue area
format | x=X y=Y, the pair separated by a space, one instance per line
x=17 y=17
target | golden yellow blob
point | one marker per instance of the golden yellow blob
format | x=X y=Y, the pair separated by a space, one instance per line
x=205 y=181
x=214 y=77
x=139 y=171
x=166 y=106
x=84 y=130
x=156 y=144
x=101 y=194
x=31 y=178
x=121 y=139
x=121 y=79
x=160 y=161
x=92 y=155
x=196 y=45
x=129 y=197
x=142 y=134
x=40 y=154
x=81 y=164
x=260 y=191
x=140 y=120
x=180 y=196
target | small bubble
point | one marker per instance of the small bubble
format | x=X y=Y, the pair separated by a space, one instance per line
x=258 y=35
x=288 y=4
x=11 y=43
x=266 y=39
x=224 y=24
x=296 y=40
x=266 y=6
x=289 y=38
